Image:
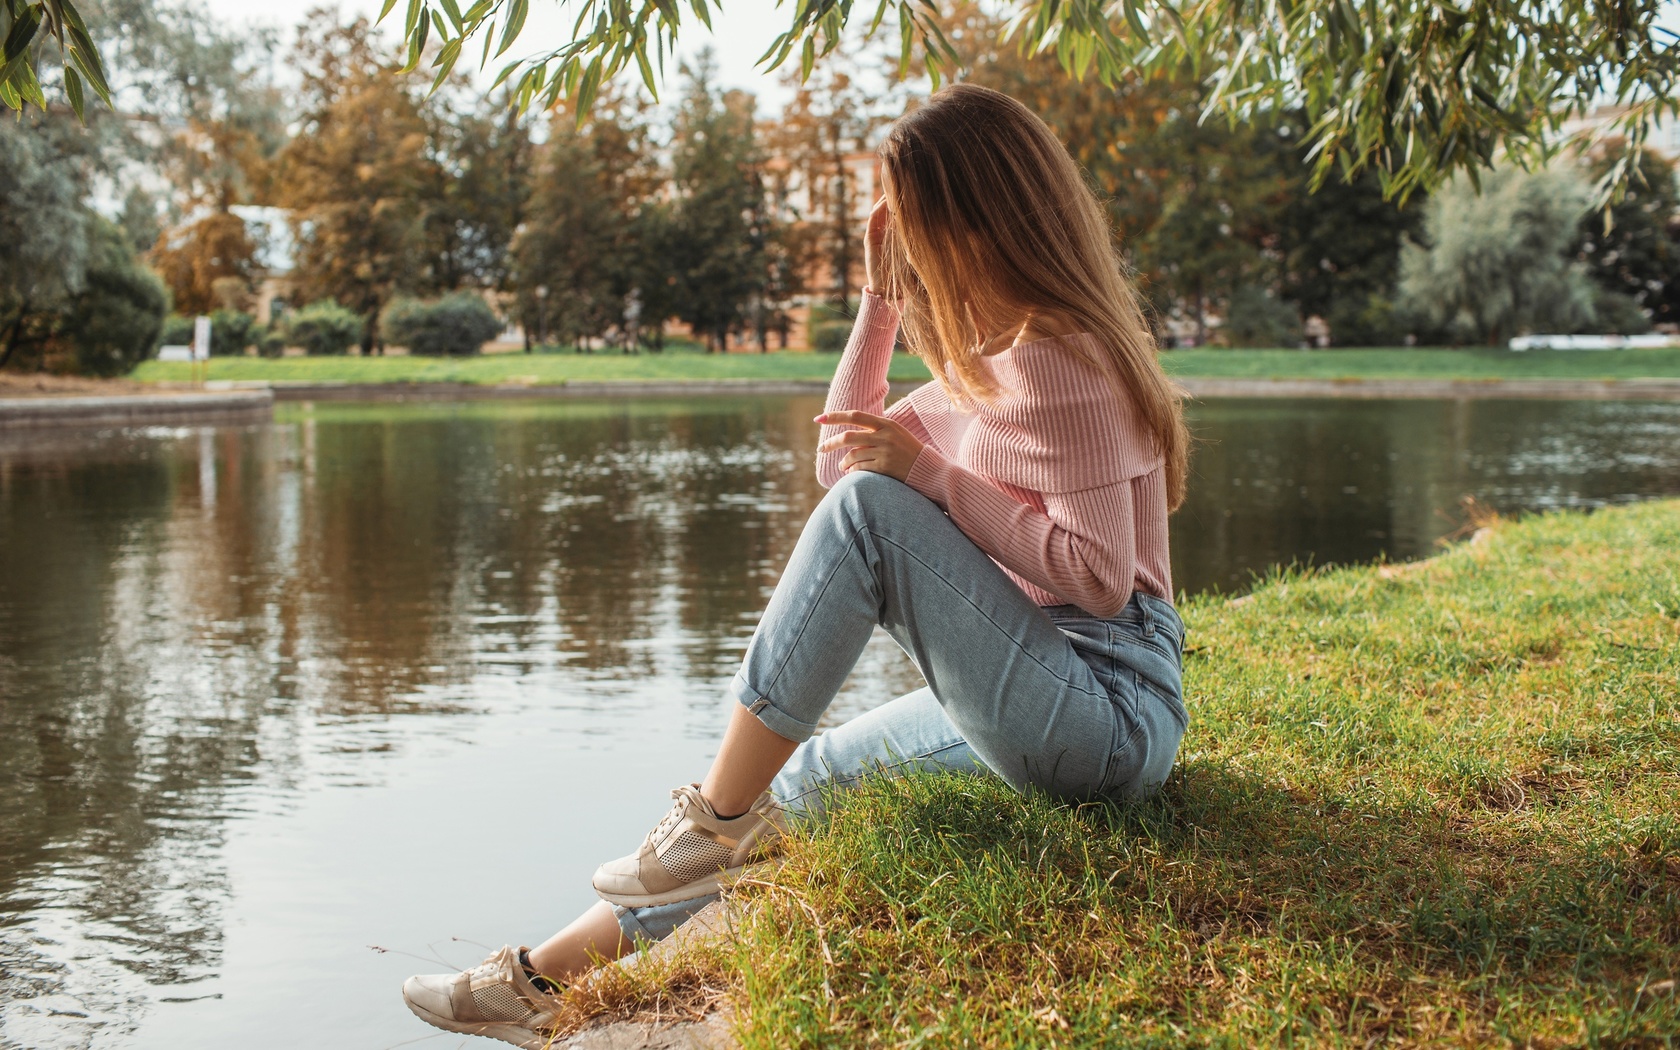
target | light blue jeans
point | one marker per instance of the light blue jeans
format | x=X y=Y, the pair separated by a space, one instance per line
x=1051 y=699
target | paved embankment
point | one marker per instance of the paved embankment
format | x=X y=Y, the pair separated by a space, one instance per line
x=241 y=406
x=244 y=402
x=1207 y=387
x=1197 y=387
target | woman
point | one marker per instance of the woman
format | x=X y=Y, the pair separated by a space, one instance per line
x=1006 y=524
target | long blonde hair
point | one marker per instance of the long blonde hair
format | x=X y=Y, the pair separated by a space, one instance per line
x=993 y=223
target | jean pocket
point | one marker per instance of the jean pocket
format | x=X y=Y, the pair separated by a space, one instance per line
x=1163 y=699
x=1125 y=762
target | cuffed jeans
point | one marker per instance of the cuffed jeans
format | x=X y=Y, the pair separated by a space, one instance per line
x=1052 y=699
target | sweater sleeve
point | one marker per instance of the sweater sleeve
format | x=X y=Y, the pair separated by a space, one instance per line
x=1080 y=548
x=860 y=381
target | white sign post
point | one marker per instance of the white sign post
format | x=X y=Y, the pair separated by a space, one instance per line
x=201 y=345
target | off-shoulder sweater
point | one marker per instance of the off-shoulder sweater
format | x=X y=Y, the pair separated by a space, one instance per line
x=1055 y=478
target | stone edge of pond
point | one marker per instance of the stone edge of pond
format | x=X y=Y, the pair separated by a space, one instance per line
x=161 y=409
x=1387 y=388
x=1195 y=387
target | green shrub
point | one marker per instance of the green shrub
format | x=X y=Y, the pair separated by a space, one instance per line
x=1370 y=321
x=114 y=322
x=459 y=324
x=1256 y=318
x=1617 y=313
x=231 y=332
x=830 y=336
x=177 y=331
x=323 y=328
x=271 y=341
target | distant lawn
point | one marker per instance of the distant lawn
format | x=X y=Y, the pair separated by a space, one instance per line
x=1421 y=363
x=532 y=369
x=677 y=365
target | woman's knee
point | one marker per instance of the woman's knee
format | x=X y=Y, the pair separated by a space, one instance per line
x=863 y=494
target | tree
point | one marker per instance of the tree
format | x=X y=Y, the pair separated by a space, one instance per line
x=192 y=260
x=1634 y=249
x=357 y=174
x=593 y=233
x=112 y=323
x=43 y=231
x=1500 y=261
x=717 y=249
x=480 y=154
x=1412 y=91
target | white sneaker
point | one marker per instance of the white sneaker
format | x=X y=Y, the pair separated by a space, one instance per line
x=691 y=852
x=494 y=998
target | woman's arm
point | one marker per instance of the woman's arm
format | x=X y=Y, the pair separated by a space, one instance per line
x=860 y=381
x=1081 y=547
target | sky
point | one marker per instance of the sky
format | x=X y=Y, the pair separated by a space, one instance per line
x=742 y=31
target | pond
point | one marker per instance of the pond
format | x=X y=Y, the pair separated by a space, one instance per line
x=289 y=712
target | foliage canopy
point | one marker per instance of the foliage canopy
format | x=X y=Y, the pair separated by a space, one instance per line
x=1414 y=90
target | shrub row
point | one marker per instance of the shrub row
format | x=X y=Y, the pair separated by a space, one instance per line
x=457 y=324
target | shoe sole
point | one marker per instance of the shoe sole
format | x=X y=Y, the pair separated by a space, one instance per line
x=507 y=1033
x=698 y=888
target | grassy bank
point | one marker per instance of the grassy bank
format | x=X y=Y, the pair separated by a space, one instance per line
x=1427 y=805
x=681 y=365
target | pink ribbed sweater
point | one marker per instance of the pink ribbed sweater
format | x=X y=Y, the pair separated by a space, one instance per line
x=1058 y=483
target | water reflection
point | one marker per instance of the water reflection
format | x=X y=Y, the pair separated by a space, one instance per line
x=470 y=612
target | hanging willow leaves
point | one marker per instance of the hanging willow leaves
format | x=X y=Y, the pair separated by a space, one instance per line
x=30 y=31
x=1412 y=89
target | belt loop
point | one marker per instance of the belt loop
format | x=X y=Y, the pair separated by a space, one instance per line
x=1148 y=618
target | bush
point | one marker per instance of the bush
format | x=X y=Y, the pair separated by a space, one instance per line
x=324 y=328
x=830 y=336
x=1370 y=321
x=1256 y=318
x=177 y=331
x=1617 y=313
x=231 y=332
x=459 y=324
x=271 y=342
x=114 y=322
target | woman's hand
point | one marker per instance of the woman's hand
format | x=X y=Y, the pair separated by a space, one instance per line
x=874 y=235
x=882 y=447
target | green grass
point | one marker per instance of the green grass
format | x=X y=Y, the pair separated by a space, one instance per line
x=686 y=364
x=1424 y=363
x=1425 y=805
x=526 y=368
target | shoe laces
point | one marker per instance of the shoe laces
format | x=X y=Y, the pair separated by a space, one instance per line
x=497 y=965
x=687 y=795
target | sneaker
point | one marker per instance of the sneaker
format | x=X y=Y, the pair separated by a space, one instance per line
x=690 y=853
x=494 y=998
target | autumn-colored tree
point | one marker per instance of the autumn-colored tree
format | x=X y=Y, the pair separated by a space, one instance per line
x=191 y=261
x=224 y=121
x=359 y=175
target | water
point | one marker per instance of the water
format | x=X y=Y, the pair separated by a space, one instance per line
x=274 y=698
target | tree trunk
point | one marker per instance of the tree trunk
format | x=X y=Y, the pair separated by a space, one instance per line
x=15 y=333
